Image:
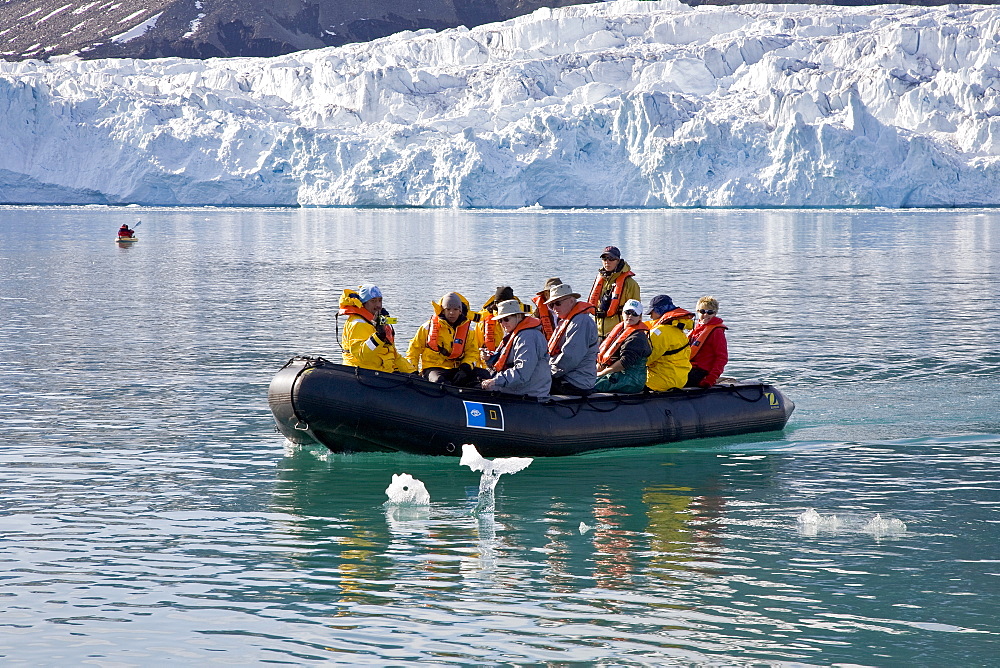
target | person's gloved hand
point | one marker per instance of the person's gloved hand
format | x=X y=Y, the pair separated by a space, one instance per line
x=704 y=383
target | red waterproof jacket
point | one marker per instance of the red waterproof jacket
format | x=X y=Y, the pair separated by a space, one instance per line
x=709 y=350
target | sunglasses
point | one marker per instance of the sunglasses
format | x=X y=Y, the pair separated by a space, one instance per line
x=631 y=313
x=706 y=312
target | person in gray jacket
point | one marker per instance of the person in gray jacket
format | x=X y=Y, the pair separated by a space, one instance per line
x=521 y=363
x=573 y=345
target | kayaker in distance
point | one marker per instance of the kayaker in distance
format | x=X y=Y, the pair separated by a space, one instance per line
x=125 y=233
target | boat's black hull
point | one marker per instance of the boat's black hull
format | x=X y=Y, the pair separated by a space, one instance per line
x=356 y=410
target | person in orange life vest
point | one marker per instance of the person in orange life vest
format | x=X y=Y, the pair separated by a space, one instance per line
x=542 y=310
x=444 y=349
x=573 y=346
x=369 y=340
x=670 y=360
x=621 y=362
x=709 y=350
x=125 y=232
x=489 y=331
x=521 y=363
x=613 y=287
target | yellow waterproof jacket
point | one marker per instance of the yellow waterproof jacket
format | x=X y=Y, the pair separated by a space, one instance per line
x=422 y=356
x=630 y=290
x=668 y=365
x=366 y=345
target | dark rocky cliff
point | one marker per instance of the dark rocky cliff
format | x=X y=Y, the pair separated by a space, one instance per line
x=209 y=28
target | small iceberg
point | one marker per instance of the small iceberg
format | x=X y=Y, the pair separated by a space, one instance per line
x=405 y=490
x=492 y=469
x=810 y=523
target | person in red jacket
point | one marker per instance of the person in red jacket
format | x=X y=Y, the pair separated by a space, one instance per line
x=124 y=232
x=709 y=350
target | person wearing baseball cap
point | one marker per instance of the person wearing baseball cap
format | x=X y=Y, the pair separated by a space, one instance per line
x=669 y=362
x=369 y=340
x=613 y=287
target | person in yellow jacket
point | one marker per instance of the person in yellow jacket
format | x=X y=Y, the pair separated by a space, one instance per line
x=369 y=340
x=668 y=365
x=445 y=349
x=613 y=287
x=490 y=332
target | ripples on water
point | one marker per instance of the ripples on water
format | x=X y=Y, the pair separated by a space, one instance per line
x=151 y=516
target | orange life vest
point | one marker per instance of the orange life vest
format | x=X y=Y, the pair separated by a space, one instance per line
x=508 y=341
x=697 y=339
x=615 y=340
x=555 y=343
x=458 y=343
x=489 y=334
x=545 y=314
x=384 y=330
x=616 y=293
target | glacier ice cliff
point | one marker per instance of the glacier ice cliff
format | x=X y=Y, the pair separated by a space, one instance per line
x=630 y=104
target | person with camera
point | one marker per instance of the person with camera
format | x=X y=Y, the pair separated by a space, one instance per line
x=369 y=340
x=613 y=287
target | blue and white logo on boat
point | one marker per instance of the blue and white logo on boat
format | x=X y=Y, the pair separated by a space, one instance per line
x=483 y=416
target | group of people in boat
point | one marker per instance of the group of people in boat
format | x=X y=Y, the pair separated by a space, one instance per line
x=557 y=343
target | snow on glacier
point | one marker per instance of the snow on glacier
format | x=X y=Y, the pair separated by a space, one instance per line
x=636 y=104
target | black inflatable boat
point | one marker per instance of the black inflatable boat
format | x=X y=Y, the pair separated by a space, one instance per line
x=348 y=409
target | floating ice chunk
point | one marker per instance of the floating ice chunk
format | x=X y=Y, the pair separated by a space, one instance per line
x=405 y=490
x=492 y=469
x=884 y=525
x=584 y=528
x=810 y=516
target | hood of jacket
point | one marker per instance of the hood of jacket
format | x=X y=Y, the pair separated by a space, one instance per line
x=466 y=309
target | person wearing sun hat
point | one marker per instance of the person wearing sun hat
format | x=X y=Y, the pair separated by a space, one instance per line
x=521 y=363
x=573 y=344
x=613 y=287
x=621 y=362
x=542 y=310
x=369 y=340
x=669 y=362
x=488 y=329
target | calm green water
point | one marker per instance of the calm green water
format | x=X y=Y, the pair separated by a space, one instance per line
x=151 y=515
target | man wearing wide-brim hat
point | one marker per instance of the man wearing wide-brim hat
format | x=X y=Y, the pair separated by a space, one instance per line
x=521 y=363
x=574 y=343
